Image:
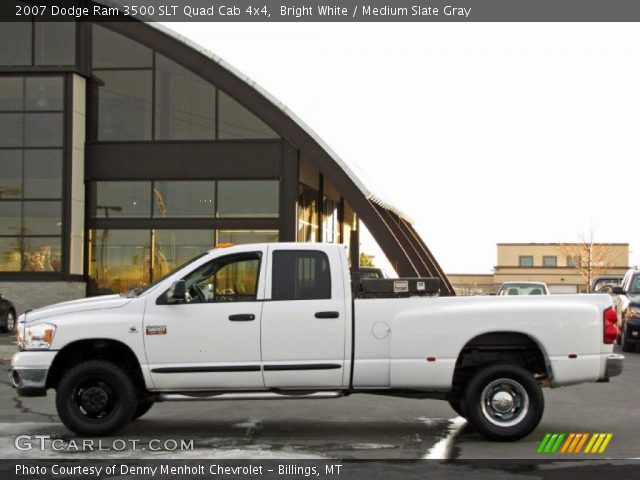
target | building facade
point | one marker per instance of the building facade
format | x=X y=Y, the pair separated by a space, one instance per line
x=125 y=150
x=564 y=267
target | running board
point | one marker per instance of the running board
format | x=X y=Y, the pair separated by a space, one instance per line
x=211 y=396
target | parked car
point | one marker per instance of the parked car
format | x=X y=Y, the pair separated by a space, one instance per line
x=283 y=321
x=7 y=316
x=626 y=300
x=605 y=283
x=523 y=288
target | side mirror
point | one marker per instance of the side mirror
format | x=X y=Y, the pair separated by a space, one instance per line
x=178 y=292
x=618 y=291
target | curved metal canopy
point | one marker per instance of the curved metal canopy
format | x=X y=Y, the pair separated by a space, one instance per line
x=393 y=231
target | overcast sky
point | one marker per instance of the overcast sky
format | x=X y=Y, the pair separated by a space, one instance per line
x=481 y=133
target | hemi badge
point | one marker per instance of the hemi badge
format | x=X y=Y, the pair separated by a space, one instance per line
x=156 y=330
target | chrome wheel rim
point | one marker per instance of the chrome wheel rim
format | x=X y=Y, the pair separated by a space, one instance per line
x=504 y=402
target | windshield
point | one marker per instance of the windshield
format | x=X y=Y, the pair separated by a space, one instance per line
x=635 y=285
x=522 y=289
x=606 y=284
x=140 y=290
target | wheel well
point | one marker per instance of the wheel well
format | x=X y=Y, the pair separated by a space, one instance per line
x=104 y=349
x=499 y=347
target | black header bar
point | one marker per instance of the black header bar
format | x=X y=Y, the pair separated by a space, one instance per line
x=323 y=10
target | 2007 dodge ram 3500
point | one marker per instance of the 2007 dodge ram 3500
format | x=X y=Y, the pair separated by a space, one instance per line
x=282 y=320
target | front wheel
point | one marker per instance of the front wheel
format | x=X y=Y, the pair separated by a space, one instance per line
x=503 y=402
x=96 y=397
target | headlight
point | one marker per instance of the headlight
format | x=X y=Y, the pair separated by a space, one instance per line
x=633 y=311
x=36 y=337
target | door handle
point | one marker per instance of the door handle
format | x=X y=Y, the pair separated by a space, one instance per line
x=327 y=314
x=242 y=317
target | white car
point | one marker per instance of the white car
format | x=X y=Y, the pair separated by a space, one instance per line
x=523 y=288
x=280 y=321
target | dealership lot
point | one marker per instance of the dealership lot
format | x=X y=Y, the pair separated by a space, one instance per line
x=362 y=426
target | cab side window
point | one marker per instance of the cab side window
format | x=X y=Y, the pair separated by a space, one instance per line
x=300 y=275
x=228 y=279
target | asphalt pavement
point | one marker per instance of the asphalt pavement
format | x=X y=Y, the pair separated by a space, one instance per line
x=354 y=427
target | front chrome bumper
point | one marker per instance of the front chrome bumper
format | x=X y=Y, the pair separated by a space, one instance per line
x=615 y=364
x=29 y=372
x=29 y=382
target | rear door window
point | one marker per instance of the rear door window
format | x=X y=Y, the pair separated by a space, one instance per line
x=300 y=275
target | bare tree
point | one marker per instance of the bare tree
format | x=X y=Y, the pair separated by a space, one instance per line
x=590 y=259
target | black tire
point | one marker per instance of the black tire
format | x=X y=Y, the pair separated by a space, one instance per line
x=456 y=404
x=96 y=398
x=625 y=344
x=513 y=415
x=9 y=322
x=143 y=407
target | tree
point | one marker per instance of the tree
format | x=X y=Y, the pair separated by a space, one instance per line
x=366 y=260
x=590 y=259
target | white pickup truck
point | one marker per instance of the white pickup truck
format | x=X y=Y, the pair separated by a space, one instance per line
x=282 y=321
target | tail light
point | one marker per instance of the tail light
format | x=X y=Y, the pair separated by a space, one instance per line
x=610 y=328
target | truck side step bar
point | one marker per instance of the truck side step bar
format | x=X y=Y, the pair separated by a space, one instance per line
x=211 y=396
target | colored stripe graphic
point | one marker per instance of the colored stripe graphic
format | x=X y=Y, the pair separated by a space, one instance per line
x=551 y=442
x=574 y=442
x=582 y=442
x=543 y=443
x=556 y=446
x=568 y=442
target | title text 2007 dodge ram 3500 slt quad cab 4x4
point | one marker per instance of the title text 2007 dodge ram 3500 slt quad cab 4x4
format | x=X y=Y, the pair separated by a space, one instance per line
x=282 y=321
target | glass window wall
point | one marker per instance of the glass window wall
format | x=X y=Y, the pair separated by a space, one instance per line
x=55 y=43
x=19 y=35
x=185 y=104
x=124 y=259
x=184 y=199
x=112 y=50
x=44 y=93
x=42 y=173
x=42 y=254
x=122 y=200
x=10 y=254
x=242 y=237
x=124 y=104
x=31 y=182
x=120 y=260
x=11 y=178
x=172 y=248
x=12 y=131
x=11 y=94
x=236 y=122
x=248 y=198
x=307 y=214
x=43 y=129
